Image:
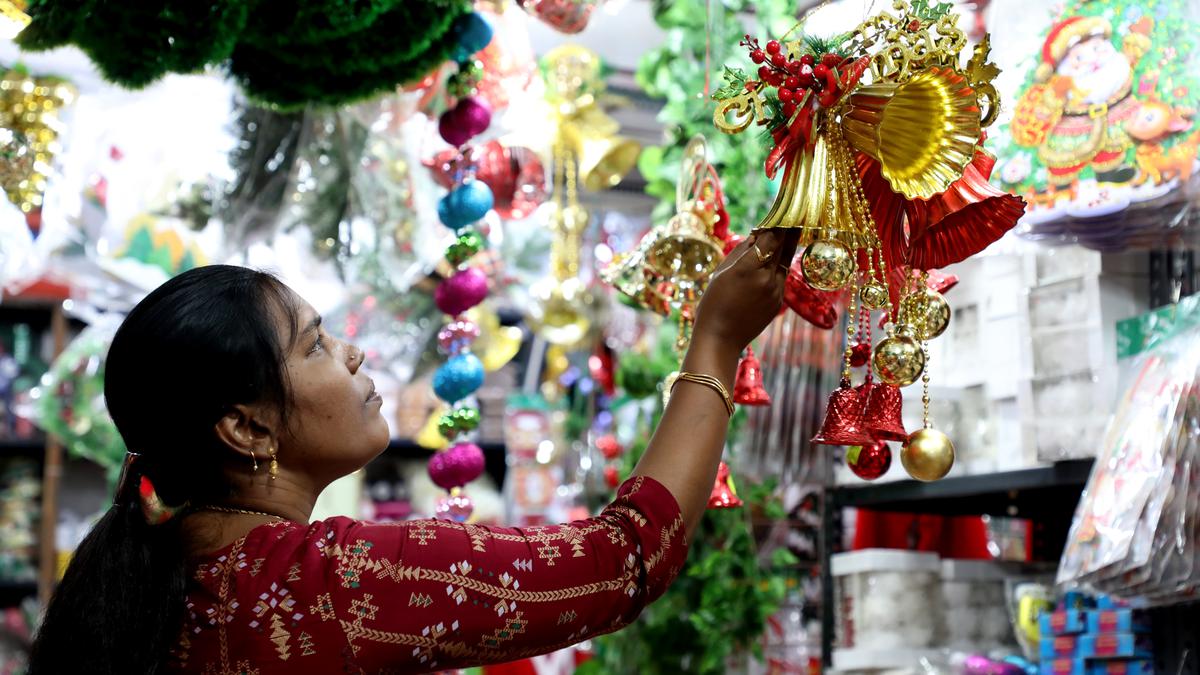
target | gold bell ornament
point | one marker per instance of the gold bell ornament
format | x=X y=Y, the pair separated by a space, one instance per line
x=574 y=85
x=560 y=308
x=685 y=250
x=628 y=274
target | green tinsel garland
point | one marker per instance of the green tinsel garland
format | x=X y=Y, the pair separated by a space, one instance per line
x=283 y=52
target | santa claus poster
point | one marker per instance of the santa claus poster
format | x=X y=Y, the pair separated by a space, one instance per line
x=1100 y=114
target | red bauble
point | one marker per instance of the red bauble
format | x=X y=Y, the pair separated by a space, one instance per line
x=612 y=477
x=779 y=61
x=869 y=461
x=792 y=82
x=807 y=60
x=773 y=47
x=609 y=447
x=758 y=56
x=820 y=72
x=860 y=354
x=794 y=68
x=764 y=72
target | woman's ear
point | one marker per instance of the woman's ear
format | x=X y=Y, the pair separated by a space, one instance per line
x=246 y=431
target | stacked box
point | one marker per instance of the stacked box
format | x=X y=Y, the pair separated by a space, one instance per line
x=1100 y=639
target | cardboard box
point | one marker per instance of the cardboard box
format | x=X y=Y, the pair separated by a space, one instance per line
x=1115 y=646
x=1117 y=621
x=1063 y=622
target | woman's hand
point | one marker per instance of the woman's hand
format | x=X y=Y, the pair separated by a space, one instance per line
x=745 y=292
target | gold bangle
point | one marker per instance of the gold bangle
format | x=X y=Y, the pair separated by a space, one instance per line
x=710 y=382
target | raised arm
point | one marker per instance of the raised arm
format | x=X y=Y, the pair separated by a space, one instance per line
x=744 y=296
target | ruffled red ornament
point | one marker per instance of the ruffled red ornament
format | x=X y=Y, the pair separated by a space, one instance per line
x=860 y=354
x=816 y=307
x=748 y=387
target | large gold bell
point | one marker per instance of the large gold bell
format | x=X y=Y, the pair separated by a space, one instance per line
x=603 y=162
x=802 y=200
x=923 y=132
x=684 y=250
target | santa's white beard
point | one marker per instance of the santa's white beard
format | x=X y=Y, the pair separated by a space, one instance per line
x=1100 y=85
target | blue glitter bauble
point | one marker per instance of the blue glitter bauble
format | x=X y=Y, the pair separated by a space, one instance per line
x=474 y=33
x=458 y=377
x=465 y=204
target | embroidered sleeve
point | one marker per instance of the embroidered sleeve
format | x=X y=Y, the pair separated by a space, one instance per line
x=435 y=595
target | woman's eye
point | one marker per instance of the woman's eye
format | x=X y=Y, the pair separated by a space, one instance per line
x=318 y=345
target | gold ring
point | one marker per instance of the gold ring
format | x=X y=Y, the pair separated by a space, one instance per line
x=762 y=257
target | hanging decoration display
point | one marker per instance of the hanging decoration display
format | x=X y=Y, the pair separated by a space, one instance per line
x=879 y=137
x=284 y=54
x=468 y=201
x=586 y=151
x=29 y=130
x=1103 y=132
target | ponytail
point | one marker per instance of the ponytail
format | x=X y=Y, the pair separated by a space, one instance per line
x=119 y=607
x=208 y=339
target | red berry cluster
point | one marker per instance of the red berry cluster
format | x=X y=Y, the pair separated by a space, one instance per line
x=791 y=76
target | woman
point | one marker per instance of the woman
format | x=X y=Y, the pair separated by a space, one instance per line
x=239 y=408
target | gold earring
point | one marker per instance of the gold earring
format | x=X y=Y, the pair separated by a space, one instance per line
x=273 y=470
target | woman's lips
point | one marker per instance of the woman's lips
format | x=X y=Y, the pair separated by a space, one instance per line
x=374 y=395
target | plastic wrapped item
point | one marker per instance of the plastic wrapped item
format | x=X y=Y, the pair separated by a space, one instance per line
x=882 y=599
x=1134 y=530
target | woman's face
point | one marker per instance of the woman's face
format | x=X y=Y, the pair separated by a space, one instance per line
x=334 y=425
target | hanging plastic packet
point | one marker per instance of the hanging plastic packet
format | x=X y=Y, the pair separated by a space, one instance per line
x=1163 y=352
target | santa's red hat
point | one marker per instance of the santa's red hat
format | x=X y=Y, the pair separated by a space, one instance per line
x=1066 y=34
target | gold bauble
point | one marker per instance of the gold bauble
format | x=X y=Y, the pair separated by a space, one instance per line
x=899 y=360
x=927 y=312
x=827 y=265
x=560 y=310
x=927 y=455
x=874 y=295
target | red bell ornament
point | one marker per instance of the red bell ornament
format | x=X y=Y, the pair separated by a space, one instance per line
x=882 y=412
x=748 y=387
x=724 y=495
x=843 y=423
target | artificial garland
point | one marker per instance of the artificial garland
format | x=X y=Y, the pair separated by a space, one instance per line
x=286 y=54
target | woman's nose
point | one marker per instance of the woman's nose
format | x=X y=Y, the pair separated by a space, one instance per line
x=354 y=357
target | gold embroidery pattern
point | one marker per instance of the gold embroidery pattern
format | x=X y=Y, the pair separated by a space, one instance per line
x=324 y=607
x=399 y=573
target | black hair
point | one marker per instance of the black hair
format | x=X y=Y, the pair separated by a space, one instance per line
x=201 y=343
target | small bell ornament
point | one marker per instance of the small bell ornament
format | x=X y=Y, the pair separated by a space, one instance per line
x=843 y=423
x=881 y=415
x=748 y=387
x=870 y=461
x=724 y=495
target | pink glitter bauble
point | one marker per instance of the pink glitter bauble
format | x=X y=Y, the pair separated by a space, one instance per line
x=454 y=507
x=456 y=466
x=462 y=291
x=456 y=336
x=452 y=130
x=473 y=114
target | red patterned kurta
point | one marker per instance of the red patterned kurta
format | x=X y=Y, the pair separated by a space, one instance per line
x=343 y=596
